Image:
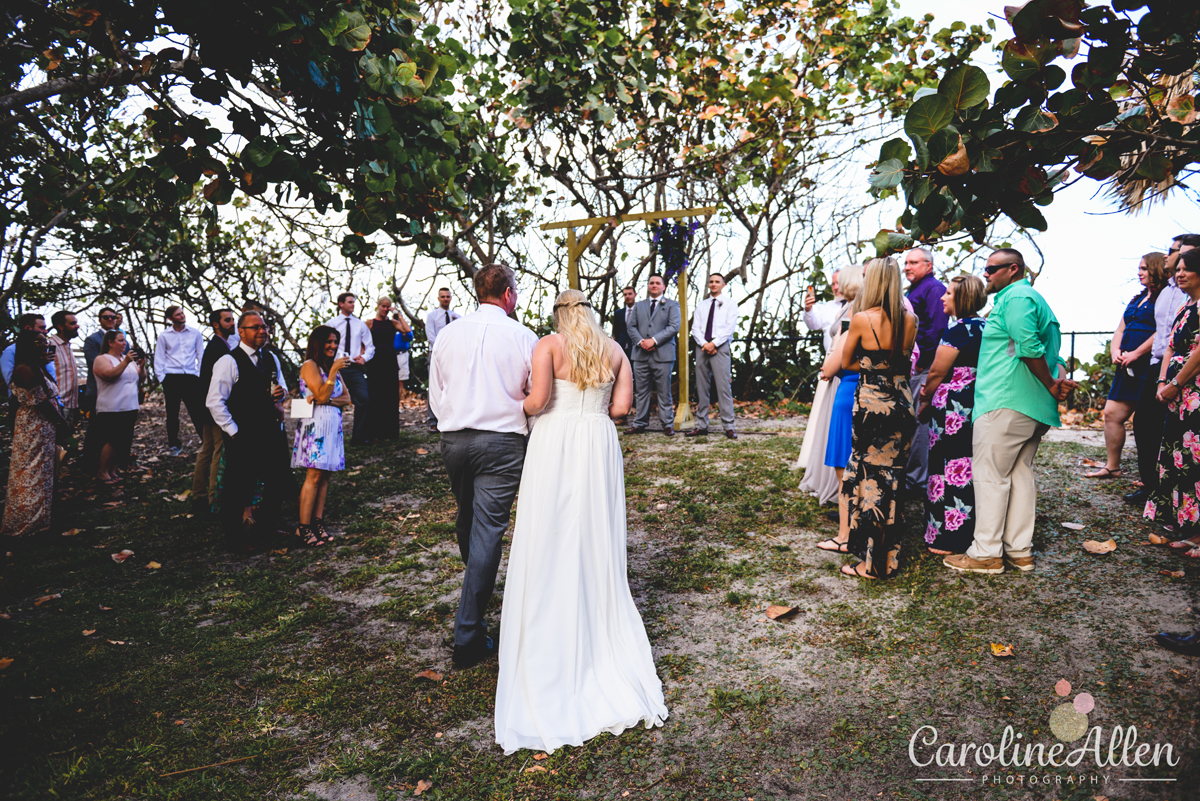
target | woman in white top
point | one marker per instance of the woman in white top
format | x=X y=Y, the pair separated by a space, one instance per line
x=117 y=374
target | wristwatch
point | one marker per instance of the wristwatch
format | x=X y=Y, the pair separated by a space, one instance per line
x=1174 y=383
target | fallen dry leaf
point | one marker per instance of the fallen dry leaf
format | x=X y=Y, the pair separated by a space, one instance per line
x=180 y=722
x=278 y=551
x=183 y=496
x=1074 y=526
x=88 y=632
x=5 y=662
x=1158 y=539
x=106 y=609
x=5 y=616
x=422 y=786
x=660 y=506
x=1173 y=573
x=117 y=642
x=110 y=505
x=432 y=675
x=778 y=612
x=45 y=598
x=72 y=532
x=122 y=556
x=1092 y=463
x=1001 y=651
x=1108 y=546
x=540 y=757
x=154 y=565
x=535 y=769
x=421 y=451
x=1062 y=688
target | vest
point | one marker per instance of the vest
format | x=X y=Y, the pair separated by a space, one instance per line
x=250 y=402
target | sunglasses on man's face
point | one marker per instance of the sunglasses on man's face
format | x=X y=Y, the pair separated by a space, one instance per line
x=992 y=268
x=108 y=317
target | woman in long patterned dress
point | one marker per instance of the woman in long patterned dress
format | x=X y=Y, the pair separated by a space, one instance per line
x=30 y=493
x=1175 y=503
x=946 y=401
x=320 y=445
x=884 y=420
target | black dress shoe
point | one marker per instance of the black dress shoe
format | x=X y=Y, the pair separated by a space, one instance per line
x=668 y=432
x=731 y=434
x=1186 y=644
x=636 y=430
x=696 y=432
x=470 y=657
x=1138 y=498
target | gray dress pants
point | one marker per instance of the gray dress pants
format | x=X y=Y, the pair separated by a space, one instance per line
x=485 y=472
x=649 y=376
x=714 y=369
x=918 y=456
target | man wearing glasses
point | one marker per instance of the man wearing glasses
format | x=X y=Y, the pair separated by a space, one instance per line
x=1016 y=402
x=91 y=349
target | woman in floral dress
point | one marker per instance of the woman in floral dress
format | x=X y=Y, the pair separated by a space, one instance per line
x=884 y=420
x=320 y=445
x=1174 y=503
x=31 y=472
x=946 y=401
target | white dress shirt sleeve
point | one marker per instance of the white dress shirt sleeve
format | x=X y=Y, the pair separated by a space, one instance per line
x=700 y=320
x=225 y=375
x=161 y=350
x=365 y=340
x=725 y=323
x=822 y=315
x=198 y=345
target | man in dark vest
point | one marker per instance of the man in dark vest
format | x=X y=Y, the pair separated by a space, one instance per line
x=245 y=400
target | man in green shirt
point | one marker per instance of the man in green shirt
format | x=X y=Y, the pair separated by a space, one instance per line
x=1017 y=392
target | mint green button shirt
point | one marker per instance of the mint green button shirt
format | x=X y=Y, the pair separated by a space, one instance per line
x=1020 y=325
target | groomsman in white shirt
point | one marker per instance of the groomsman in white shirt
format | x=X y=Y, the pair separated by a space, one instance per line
x=355 y=342
x=713 y=327
x=177 y=358
x=435 y=321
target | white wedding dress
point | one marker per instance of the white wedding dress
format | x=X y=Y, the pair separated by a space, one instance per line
x=574 y=657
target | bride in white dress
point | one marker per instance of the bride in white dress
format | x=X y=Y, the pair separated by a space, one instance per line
x=574 y=657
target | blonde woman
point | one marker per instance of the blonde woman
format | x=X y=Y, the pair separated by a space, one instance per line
x=878 y=347
x=574 y=657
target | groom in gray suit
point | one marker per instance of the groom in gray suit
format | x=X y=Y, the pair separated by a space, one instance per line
x=652 y=327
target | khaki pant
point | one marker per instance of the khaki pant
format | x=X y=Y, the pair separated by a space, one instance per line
x=1005 y=443
x=208 y=463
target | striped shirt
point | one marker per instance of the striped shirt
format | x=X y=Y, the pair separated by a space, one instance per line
x=66 y=371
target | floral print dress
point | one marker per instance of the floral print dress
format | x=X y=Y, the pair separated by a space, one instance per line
x=319 y=440
x=30 y=492
x=950 y=496
x=1175 y=502
x=873 y=484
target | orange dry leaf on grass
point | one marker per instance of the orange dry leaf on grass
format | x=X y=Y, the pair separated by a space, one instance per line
x=1108 y=546
x=1001 y=651
x=779 y=612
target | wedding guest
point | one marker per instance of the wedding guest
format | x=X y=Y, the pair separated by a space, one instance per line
x=177 y=358
x=621 y=318
x=821 y=316
x=1131 y=355
x=884 y=420
x=1151 y=415
x=1017 y=390
x=575 y=660
x=945 y=402
x=66 y=371
x=117 y=369
x=435 y=321
x=1175 y=502
x=30 y=492
x=90 y=456
x=8 y=358
x=478 y=380
x=246 y=404
x=212 y=443
x=383 y=374
x=713 y=327
x=402 y=343
x=820 y=479
x=359 y=347
x=654 y=324
x=319 y=445
x=925 y=294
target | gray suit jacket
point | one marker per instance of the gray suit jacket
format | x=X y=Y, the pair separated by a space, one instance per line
x=662 y=329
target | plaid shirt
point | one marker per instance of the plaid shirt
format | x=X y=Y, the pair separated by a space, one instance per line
x=67 y=372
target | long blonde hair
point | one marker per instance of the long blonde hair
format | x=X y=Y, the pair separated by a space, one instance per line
x=881 y=287
x=587 y=347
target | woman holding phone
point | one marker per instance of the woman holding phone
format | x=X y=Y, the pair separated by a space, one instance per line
x=320 y=446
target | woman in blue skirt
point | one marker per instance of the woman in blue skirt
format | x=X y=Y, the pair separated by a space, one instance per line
x=1130 y=349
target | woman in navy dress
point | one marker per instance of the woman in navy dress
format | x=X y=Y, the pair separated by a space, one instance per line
x=1130 y=348
x=945 y=402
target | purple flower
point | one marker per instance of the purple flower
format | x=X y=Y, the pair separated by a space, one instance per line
x=935 y=488
x=939 y=397
x=958 y=471
x=934 y=436
x=954 y=422
x=962 y=378
x=931 y=532
x=954 y=519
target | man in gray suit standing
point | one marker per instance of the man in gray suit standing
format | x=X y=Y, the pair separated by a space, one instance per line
x=653 y=326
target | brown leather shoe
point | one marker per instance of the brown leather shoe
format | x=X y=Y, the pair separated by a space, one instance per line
x=668 y=431
x=966 y=564
x=636 y=430
x=730 y=434
x=1019 y=562
x=696 y=432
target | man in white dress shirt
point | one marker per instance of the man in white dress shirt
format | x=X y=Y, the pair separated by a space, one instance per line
x=356 y=342
x=248 y=408
x=435 y=321
x=713 y=327
x=177 y=359
x=479 y=375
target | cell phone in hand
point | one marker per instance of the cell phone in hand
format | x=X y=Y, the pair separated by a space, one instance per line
x=845 y=326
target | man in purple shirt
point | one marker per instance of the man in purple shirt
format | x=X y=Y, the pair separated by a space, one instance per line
x=925 y=294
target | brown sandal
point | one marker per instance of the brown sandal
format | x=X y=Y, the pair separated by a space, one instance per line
x=1104 y=473
x=852 y=570
x=308 y=537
